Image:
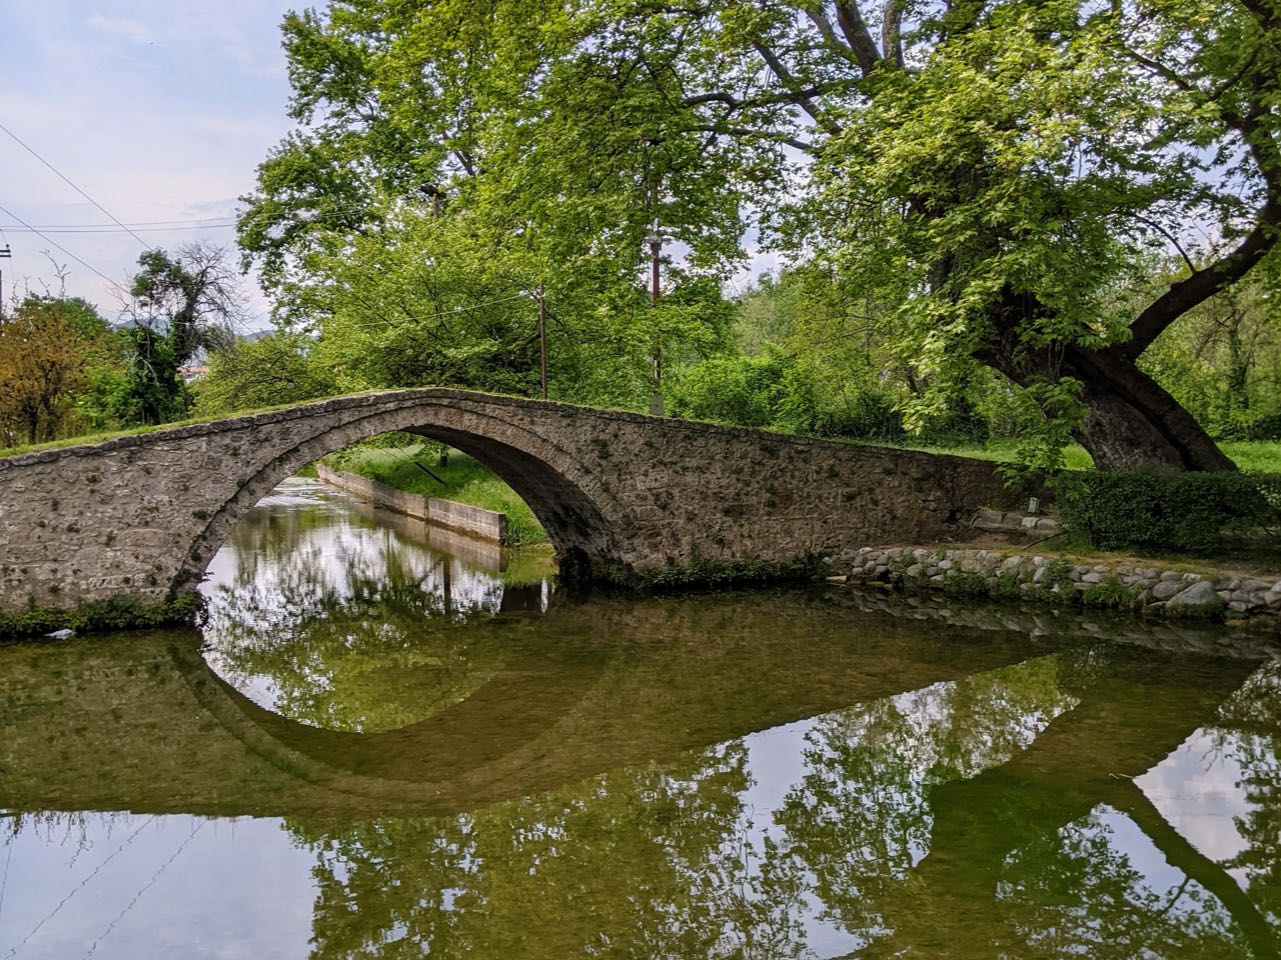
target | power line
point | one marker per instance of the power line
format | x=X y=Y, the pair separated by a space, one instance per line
x=4 y=880
x=147 y=886
x=9 y=213
x=138 y=223
x=36 y=929
x=65 y=179
x=133 y=232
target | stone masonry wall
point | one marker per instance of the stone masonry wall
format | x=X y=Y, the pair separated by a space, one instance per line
x=1153 y=590
x=622 y=496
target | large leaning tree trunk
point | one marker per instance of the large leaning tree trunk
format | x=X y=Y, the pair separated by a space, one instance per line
x=1131 y=421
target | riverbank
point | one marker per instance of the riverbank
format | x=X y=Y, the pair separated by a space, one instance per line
x=488 y=525
x=412 y=470
x=1150 y=588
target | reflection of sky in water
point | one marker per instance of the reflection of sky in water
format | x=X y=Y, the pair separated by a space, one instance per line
x=1197 y=788
x=142 y=887
x=137 y=886
x=327 y=543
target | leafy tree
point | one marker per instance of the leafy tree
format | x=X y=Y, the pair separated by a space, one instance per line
x=388 y=225
x=184 y=302
x=990 y=173
x=42 y=361
x=273 y=369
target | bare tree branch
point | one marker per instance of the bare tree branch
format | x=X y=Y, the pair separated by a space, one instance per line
x=789 y=83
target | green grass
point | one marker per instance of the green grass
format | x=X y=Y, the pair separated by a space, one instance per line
x=466 y=481
x=1074 y=456
x=151 y=428
x=1263 y=456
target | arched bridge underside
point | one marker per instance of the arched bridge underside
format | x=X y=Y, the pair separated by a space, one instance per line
x=623 y=497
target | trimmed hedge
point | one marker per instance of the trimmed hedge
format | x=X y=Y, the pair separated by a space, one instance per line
x=1195 y=513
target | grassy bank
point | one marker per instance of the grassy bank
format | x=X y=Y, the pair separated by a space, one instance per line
x=464 y=480
x=1263 y=456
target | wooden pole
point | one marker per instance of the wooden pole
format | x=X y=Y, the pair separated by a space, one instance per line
x=542 y=336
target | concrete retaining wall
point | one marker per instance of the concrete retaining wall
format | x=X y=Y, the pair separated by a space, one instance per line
x=462 y=517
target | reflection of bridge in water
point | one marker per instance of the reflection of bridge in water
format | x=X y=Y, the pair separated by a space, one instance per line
x=141 y=723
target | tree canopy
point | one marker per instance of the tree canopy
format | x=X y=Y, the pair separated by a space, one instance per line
x=988 y=180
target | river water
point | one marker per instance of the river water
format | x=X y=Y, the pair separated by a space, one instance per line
x=386 y=743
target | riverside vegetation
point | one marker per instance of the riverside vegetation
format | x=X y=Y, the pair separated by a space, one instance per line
x=398 y=461
x=982 y=252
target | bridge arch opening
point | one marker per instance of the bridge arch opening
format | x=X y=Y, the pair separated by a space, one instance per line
x=579 y=516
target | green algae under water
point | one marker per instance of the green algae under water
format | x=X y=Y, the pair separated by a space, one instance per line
x=386 y=743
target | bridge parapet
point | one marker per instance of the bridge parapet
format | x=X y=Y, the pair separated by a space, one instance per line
x=623 y=496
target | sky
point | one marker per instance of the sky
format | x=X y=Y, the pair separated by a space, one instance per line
x=159 y=110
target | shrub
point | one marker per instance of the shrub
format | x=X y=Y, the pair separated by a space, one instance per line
x=1194 y=513
x=1111 y=594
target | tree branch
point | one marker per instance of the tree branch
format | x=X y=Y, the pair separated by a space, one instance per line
x=1194 y=290
x=749 y=132
x=1174 y=242
x=789 y=83
x=856 y=34
x=891 y=30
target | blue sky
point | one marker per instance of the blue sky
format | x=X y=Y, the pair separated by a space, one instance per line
x=158 y=110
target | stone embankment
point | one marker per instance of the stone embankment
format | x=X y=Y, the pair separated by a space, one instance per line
x=459 y=517
x=1000 y=575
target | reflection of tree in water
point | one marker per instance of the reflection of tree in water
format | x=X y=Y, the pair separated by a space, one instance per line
x=1249 y=733
x=670 y=863
x=1074 y=893
x=919 y=851
x=860 y=817
x=645 y=863
x=355 y=627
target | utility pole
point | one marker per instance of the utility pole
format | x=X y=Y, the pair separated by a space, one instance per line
x=655 y=241
x=542 y=336
x=5 y=254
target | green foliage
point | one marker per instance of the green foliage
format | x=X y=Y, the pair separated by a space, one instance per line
x=466 y=481
x=154 y=392
x=121 y=612
x=1109 y=594
x=42 y=363
x=276 y=368
x=705 y=572
x=1222 y=361
x=1196 y=513
x=186 y=301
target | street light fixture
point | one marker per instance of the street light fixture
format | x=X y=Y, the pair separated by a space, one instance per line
x=5 y=254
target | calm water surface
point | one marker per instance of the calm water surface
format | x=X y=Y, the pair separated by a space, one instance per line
x=385 y=744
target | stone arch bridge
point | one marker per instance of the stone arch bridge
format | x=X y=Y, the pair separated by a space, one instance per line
x=623 y=497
